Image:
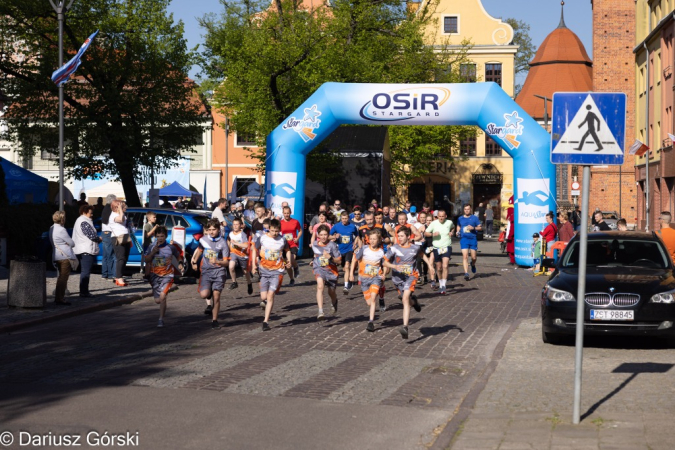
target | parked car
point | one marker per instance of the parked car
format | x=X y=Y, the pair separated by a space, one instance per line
x=630 y=288
x=192 y=221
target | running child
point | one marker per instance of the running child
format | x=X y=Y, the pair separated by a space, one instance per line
x=346 y=234
x=212 y=268
x=272 y=248
x=326 y=257
x=370 y=259
x=239 y=243
x=403 y=255
x=159 y=256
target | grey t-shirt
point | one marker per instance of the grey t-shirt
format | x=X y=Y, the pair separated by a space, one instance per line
x=489 y=214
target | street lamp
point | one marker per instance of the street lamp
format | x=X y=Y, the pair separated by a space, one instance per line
x=546 y=100
x=61 y=8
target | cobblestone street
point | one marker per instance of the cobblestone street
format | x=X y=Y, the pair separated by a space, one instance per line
x=334 y=362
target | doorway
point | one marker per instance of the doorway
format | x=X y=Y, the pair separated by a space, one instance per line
x=443 y=197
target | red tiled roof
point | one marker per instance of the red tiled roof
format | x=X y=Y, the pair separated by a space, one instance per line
x=560 y=65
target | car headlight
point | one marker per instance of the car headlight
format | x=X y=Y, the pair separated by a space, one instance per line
x=556 y=295
x=663 y=297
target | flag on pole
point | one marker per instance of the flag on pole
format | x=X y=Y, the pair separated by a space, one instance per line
x=672 y=139
x=638 y=148
x=61 y=75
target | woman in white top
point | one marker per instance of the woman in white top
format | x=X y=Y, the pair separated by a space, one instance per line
x=86 y=246
x=61 y=255
x=121 y=240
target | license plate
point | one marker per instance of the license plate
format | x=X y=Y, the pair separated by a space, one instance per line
x=611 y=314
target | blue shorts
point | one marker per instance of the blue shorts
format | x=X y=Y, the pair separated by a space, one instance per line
x=471 y=244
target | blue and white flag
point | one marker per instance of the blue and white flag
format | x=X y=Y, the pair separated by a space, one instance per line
x=60 y=76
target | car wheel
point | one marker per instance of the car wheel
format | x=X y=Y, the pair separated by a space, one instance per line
x=550 y=338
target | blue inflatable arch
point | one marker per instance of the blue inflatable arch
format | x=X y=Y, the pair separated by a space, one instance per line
x=481 y=104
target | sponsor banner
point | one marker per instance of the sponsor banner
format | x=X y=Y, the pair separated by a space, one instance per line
x=532 y=200
x=282 y=188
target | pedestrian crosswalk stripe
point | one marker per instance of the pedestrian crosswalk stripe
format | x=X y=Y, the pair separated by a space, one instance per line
x=276 y=381
x=391 y=375
x=202 y=367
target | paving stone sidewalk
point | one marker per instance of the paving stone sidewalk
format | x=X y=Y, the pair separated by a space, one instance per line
x=627 y=394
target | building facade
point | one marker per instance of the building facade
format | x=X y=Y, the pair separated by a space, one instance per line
x=653 y=99
x=483 y=173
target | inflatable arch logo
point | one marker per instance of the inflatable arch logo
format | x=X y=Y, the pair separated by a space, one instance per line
x=484 y=105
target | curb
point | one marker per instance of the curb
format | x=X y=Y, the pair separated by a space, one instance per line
x=8 y=328
x=445 y=438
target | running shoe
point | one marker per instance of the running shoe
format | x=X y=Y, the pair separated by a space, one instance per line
x=345 y=290
x=320 y=317
x=266 y=326
x=121 y=283
x=400 y=296
x=234 y=285
x=473 y=268
x=333 y=307
x=208 y=310
x=416 y=305
x=466 y=277
x=383 y=306
x=442 y=291
x=160 y=323
x=421 y=282
x=404 y=332
x=296 y=272
x=433 y=285
x=215 y=325
x=250 y=289
x=370 y=327
x=263 y=304
x=292 y=282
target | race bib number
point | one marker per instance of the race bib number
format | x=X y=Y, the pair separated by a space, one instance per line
x=442 y=250
x=288 y=236
x=345 y=239
x=406 y=269
x=210 y=254
x=272 y=255
x=371 y=270
x=466 y=229
x=428 y=250
x=324 y=261
x=159 y=261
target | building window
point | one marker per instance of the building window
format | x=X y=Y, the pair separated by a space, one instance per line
x=243 y=184
x=451 y=24
x=245 y=140
x=27 y=162
x=493 y=72
x=491 y=147
x=467 y=147
x=48 y=155
x=467 y=73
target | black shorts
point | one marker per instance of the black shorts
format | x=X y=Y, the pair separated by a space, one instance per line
x=294 y=251
x=347 y=258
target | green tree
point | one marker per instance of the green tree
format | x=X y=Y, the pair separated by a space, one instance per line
x=272 y=58
x=130 y=103
x=526 y=49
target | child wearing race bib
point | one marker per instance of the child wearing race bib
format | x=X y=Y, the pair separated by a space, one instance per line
x=326 y=257
x=271 y=247
x=212 y=269
x=238 y=242
x=403 y=256
x=159 y=256
x=346 y=234
x=369 y=259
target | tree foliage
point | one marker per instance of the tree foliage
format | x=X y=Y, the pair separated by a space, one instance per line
x=130 y=103
x=526 y=49
x=272 y=57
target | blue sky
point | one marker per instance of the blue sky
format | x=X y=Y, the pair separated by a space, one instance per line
x=542 y=16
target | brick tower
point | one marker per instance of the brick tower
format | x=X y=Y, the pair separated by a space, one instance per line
x=613 y=188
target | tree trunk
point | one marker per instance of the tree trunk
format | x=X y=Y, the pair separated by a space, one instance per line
x=129 y=185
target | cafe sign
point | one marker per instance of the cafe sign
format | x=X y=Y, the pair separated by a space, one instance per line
x=487 y=178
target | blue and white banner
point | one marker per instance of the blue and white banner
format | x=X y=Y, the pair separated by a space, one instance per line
x=481 y=104
x=61 y=75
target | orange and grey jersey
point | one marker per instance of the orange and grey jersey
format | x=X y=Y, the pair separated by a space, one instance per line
x=271 y=253
x=162 y=261
x=325 y=264
x=404 y=257
x=213 y=248
x=241 y=238
x=370 y=262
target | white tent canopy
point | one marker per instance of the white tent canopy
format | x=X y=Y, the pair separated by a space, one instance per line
x=112 y=187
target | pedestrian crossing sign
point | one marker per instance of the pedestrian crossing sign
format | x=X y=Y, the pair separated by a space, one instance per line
x=588 y=128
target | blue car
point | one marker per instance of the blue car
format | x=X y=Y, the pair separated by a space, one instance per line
x=192 y=221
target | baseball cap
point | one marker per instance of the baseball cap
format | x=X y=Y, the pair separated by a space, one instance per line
x=413 y=209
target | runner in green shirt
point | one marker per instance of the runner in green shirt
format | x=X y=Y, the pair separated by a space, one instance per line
x=441 y=230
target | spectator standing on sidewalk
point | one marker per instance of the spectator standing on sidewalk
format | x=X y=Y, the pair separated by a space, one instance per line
x=489 y=220
x=108 y=260
x=121 y=239
x=86 y=246
x=565 y=231
x=667 y=233
x=61 y=255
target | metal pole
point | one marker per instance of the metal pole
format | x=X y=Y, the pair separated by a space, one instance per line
x=581 y=294
x=227 y=159
x=60 y=14
x=647 y=133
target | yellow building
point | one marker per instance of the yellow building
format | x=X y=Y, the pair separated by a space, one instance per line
x=486 y=175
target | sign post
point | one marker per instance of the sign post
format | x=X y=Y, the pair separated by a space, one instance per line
x=587 y=129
